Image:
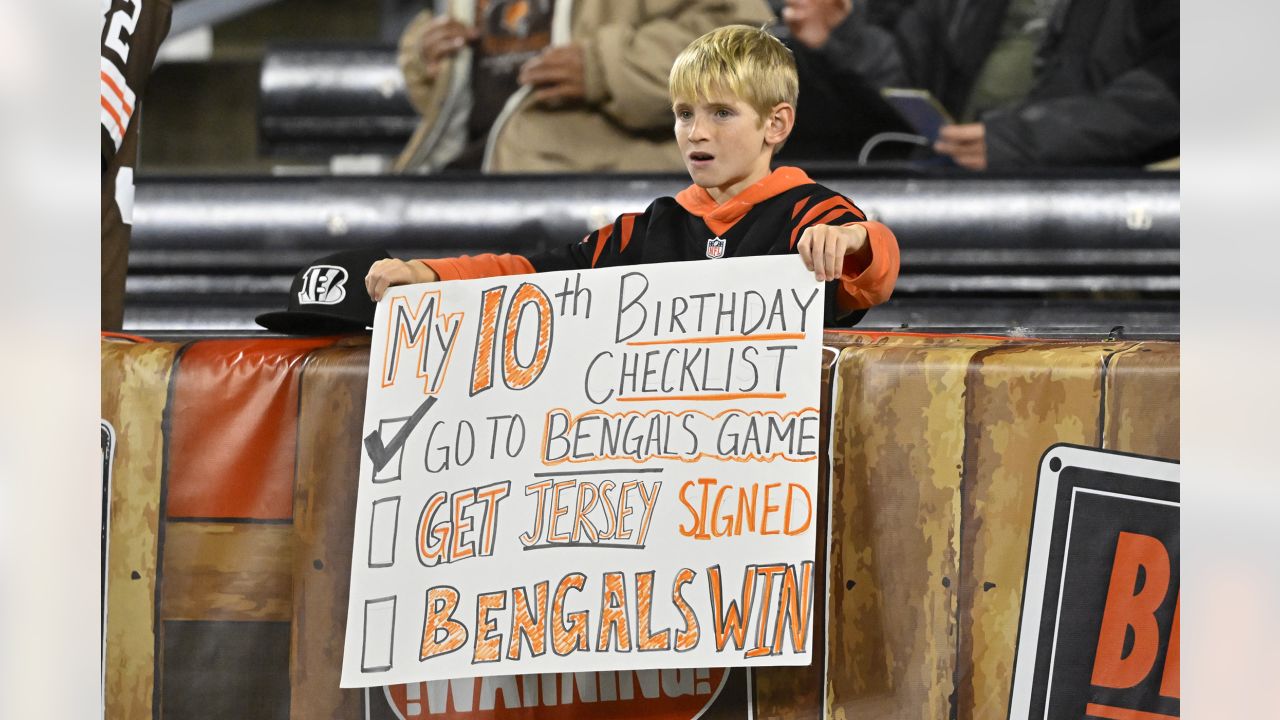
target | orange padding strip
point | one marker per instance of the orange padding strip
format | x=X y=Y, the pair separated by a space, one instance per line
x=904 y=333
x=1117 y=713
x=233 y=428
x=123 y=336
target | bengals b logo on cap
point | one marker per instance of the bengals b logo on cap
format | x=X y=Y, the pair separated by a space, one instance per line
x=323 y=285
x=320 y=301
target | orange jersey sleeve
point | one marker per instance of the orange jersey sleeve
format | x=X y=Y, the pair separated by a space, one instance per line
x=864 y=287
x=470 y=267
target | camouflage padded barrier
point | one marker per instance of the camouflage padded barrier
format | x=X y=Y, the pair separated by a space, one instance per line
x=330 y=420
x=225 y=600
x=230 y=600
x=135 y=388
x=895 y=515
x=796 y=692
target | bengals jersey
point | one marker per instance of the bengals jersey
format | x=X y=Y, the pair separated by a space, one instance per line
x=767 y=218
x=132 y=31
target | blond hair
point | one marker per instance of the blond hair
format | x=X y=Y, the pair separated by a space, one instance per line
x=747 y=62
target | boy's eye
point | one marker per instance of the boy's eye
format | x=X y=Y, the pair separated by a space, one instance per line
x=723 y=113
x=683 y=114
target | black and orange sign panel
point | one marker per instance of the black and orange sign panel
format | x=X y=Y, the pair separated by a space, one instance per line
x=1099 y=629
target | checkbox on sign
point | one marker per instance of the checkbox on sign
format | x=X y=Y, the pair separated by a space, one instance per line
x=382 y=532
x=386 y=445
x=390 y=470
x=379 y=633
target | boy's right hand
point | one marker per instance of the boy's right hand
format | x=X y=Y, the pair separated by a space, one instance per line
x=390 y=272
x=442 y=37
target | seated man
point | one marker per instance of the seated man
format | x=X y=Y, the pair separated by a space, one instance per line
x=546 y=86
x=733 y=94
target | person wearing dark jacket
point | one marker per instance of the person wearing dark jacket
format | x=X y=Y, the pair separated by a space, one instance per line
x=1031 y=82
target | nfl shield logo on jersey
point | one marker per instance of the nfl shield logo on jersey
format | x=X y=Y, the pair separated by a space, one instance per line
x=715 y=248
x=323 y=285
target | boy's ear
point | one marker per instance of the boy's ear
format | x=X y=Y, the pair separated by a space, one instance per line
x=778 y=123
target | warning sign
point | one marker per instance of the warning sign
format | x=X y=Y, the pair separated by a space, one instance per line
x=670 y=694
x=1099 y=630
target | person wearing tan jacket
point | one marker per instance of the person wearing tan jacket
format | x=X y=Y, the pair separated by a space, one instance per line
x=593 y=99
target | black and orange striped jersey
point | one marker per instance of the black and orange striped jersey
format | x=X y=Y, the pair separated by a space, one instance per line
x=767 y=218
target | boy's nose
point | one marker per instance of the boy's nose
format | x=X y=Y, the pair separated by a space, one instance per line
x=697 y=130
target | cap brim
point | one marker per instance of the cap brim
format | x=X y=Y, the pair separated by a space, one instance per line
x=295 y=322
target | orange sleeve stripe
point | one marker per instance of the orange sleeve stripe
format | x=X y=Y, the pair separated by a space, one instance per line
x=602 y=239
x=116 y=89
x=110 y=111
x=628 y=224
x=470 y=267
x=864 y=287
x=857 y=210
x=824 y=220
x=832 y=202
x=817 y=210
x=799 y=206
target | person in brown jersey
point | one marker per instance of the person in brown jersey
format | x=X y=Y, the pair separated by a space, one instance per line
x=733 y=95
x=132 y=31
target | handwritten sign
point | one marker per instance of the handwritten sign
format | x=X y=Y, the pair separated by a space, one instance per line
x=589 y=471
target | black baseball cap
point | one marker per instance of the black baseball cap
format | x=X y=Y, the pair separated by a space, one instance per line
x=328 y=296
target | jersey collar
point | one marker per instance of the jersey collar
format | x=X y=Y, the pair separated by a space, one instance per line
x=697 y=201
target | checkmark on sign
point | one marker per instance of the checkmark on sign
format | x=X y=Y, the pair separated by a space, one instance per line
x=380 y=453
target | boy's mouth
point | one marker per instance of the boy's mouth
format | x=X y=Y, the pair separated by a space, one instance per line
x=698 y=157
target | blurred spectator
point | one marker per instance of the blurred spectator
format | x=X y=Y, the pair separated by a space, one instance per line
x=1031 y=82
x=131 y=35
x=841 y=100
x=547 y=85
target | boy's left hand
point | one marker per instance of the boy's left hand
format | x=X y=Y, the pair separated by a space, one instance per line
x=824 y=247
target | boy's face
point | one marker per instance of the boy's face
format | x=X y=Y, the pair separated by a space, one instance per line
x=725 y=143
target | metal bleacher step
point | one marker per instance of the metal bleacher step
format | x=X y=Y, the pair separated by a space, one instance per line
x=1091 y=249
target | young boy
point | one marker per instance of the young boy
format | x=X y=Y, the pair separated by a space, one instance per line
x=733 y=94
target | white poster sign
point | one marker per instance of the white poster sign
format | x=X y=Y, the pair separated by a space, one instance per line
x=604 y=470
